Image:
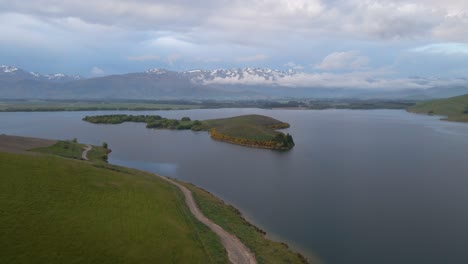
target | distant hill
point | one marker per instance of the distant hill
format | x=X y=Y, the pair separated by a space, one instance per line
x=225 y=84
x=455 y=108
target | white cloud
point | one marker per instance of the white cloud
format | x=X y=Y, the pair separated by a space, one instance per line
x=376 y=79
x=257 y=57
x=294 y=66
x=343 y=60
x=260 y=21
x=443 y=48
x=97 y=71
x=144 y=58
x=172 y=58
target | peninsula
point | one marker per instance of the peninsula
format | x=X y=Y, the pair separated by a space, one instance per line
x=248 y=130
x=454 y=108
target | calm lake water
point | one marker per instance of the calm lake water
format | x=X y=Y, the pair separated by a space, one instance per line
x=379 y=186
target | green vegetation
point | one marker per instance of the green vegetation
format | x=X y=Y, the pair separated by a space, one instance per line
x=152 y=121
x=229 y=218
x=68 y=149
x=248 y=130
x=58 y=210
x=455 y=108
x=64 y=210
x=72 y=149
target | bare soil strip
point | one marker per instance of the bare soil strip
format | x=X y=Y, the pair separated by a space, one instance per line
x=21 y=145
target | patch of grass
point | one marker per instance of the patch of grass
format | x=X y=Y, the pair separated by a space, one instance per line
x=68 y=148
x=255 y=127
x=250 y=130
x=57 y=210
x=229 y=218
x=455 y=108
x=72 y=149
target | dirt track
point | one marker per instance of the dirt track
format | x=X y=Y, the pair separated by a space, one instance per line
x=238 y=253
x=21 y=145
x=84 y=155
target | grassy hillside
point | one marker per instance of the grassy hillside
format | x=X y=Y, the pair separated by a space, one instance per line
x=455 y=108
x=57 y=210
x=63 y=210
x=73 y=149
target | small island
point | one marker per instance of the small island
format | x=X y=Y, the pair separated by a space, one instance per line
x=256 y=131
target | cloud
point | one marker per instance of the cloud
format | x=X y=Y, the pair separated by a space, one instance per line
x=376 y=79
x=172 y=58
x=262 y=20
x=144 y=58
x=257 y=57
x=97 y=71
x=343 y=61
x=443 y=48
x=294 y=66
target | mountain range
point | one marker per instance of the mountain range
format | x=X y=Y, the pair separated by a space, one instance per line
x=238 y=84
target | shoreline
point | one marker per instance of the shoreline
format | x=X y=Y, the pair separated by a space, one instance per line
x=295 y=250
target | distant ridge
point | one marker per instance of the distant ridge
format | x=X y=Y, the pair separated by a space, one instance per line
x=235 y=84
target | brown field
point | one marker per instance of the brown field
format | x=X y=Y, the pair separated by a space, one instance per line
x=21 y=145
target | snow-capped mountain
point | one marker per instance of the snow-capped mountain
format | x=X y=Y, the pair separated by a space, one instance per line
x=237 y=83
x=11 y=73
x=63 y=77
x=242 y=76
x=237 y=75
x=8 y=69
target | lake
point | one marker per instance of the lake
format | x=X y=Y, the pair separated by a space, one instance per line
x=371 y=186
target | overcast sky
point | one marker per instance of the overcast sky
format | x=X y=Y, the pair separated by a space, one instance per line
x=395 y=38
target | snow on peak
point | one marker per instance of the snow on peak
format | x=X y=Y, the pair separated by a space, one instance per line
x=156 y=71
x=239 y=75
x=62 y=77
x=8 y=69
x=35 y=74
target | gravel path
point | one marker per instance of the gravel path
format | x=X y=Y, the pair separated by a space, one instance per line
x=84 y=155
x=238 y=253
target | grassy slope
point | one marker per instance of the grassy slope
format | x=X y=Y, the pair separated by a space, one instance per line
x=453 y=108
x=253 y=127
x=57 y=210
x=73 y=150
x=68 y=149
x=228 y=217
x=102 y=188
